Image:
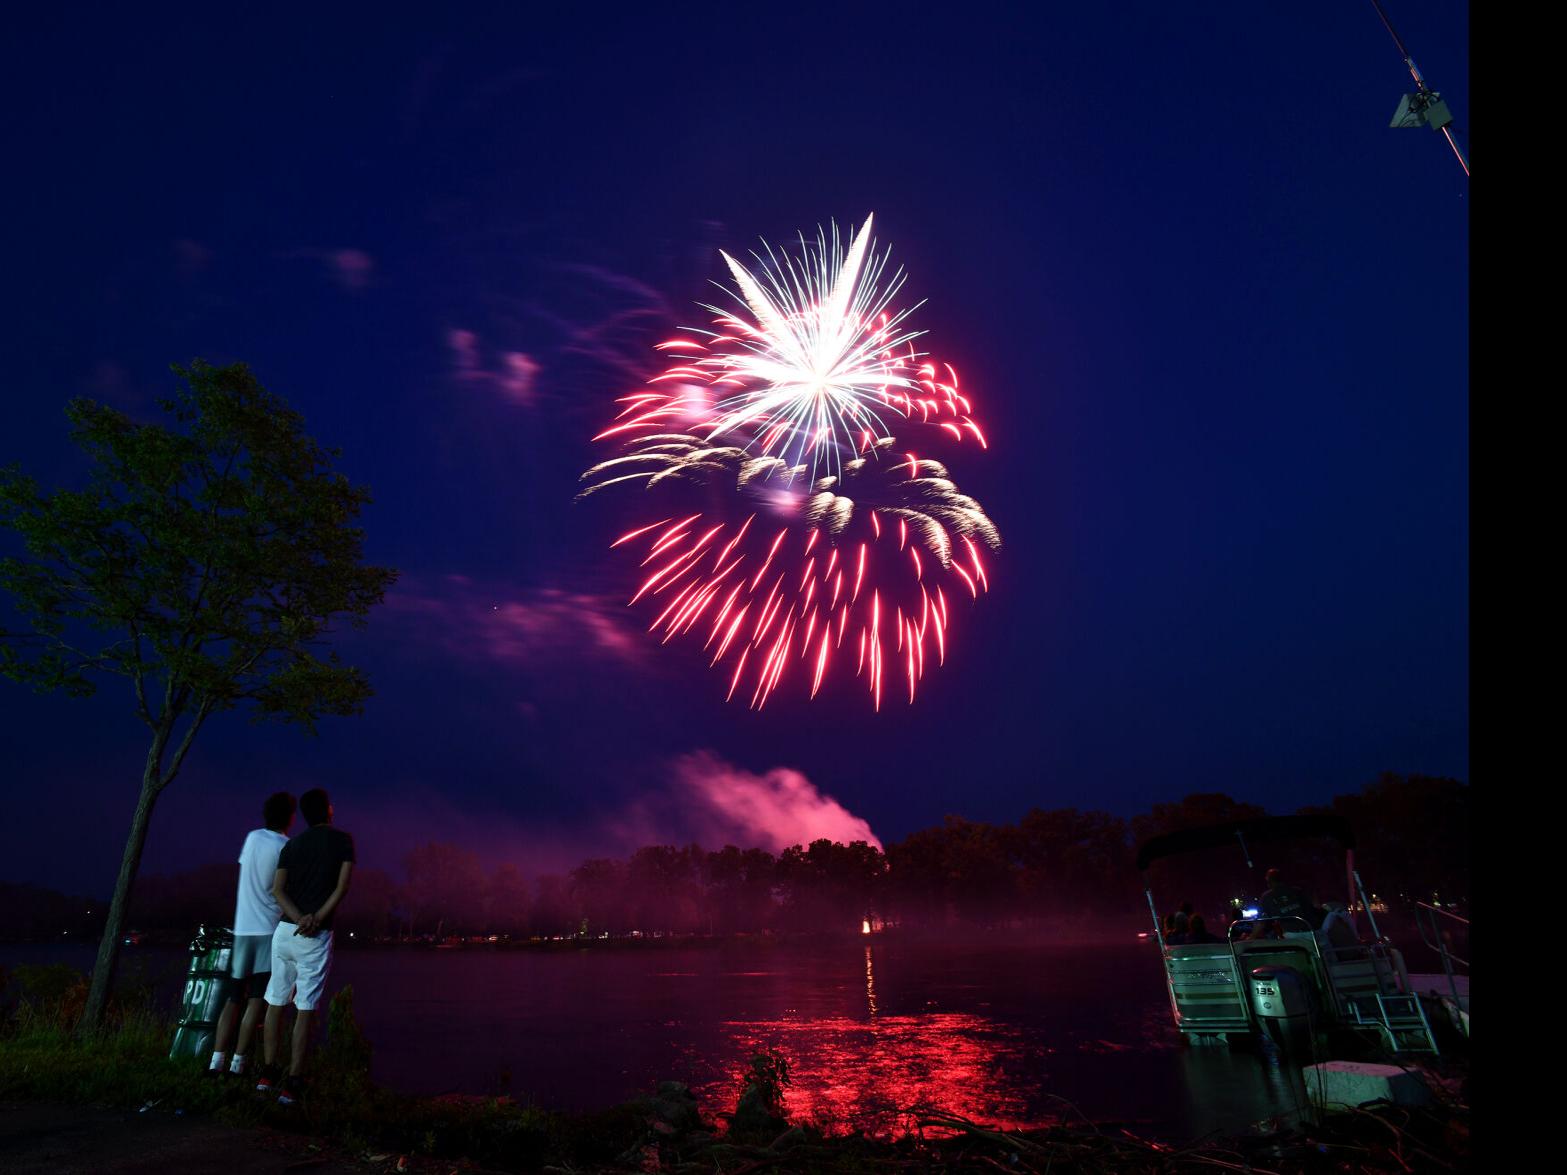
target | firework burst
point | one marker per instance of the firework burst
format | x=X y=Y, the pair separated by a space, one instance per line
x=823 y=365
x=819 y=540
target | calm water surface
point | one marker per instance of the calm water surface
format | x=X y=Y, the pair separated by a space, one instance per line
x=1008 y=1033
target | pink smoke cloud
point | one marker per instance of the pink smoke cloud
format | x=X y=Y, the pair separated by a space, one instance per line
x=352 y=269
x=703 y=799
x=463 y=618
x=713 y=802
x=190 y=258
x=512 y=376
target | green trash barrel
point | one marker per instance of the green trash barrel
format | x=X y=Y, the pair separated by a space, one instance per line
x=206 y=991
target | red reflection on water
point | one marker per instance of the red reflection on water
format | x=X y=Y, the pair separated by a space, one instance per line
x=876 y=1074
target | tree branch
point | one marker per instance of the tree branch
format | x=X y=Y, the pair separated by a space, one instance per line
x=206 y=570
x=203 y=708
x=140 y=673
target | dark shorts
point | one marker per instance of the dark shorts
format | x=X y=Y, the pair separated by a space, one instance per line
x=252 y=956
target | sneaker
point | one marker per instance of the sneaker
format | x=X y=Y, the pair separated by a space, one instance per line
x=266 y=1083
x=289 y=1091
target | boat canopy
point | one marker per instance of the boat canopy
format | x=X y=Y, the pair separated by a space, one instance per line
x=1189 y=840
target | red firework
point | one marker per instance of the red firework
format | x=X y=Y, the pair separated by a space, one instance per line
x=818 y=541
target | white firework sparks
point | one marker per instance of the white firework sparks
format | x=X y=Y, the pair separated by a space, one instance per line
x=822 y=359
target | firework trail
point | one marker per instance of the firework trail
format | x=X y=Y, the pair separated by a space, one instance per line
x=820 y=539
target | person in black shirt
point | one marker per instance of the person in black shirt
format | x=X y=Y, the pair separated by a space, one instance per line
x=312 y=876
x=1199 y=932
x=1284 y=901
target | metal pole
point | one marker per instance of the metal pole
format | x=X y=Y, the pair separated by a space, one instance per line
x=1169 y=988
x=1420 y=81
x=1414 y=72
x=1447 y=132
x=1157 y=932
x=1349 y=867
x=1365 y=901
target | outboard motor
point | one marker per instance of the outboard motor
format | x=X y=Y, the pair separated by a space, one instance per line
x=1282 y=1004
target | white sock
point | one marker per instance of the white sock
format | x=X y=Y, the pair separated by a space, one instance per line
x=238 y=1063
x=218 y=1060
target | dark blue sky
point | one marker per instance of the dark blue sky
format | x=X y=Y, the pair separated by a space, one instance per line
x=1214 y=311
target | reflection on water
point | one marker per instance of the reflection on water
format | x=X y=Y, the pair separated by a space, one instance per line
x=870 y=980
x=1239 y=1092
x=1004 y=1032
x=876 y=1074
x=873 y=1074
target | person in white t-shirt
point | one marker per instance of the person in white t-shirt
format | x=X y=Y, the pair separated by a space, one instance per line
x=256 y=915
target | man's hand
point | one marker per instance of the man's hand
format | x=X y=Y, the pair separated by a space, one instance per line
x=308 y=925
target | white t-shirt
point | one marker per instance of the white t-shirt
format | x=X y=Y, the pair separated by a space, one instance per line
x=255 y=910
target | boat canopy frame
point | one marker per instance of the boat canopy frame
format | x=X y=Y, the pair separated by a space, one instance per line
x=1263 y=828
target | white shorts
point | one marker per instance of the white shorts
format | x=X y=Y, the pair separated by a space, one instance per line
x=299 y=967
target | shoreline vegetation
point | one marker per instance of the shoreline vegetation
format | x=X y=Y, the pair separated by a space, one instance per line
x=347 y=1117
x=1052 y=870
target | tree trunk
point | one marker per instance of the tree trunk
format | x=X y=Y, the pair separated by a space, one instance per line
x=109 y=945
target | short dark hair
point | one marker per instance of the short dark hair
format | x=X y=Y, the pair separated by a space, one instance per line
x=278 y=812
x=315 y=806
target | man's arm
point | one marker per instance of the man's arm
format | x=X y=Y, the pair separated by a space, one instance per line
x=279 y=879
x=330 y=904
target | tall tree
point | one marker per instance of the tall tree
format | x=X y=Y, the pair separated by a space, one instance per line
x=445 y=889
x=205 y=561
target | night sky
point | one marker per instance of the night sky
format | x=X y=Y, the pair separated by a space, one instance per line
x=1213 y=310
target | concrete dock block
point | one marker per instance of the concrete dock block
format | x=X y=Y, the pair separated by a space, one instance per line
x=1354 y=1083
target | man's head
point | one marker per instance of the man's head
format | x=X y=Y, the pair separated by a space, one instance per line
x=316 y=807
x=1274 y=878
x=1198 y=925
x=278 y=812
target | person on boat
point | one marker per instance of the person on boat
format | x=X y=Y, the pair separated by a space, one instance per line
x=1179 y=929
x=1199 y=931
x=1338 y=928
x=1288 y=901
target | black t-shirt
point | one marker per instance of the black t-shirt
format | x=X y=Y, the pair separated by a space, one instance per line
x=313 y=860
x=1289 y=900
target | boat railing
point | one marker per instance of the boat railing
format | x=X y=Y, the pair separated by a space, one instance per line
x=1284 y=940
x=1433 y=935
x=1346 y=972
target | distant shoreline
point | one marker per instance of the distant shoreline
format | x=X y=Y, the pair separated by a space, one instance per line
x=661 y=941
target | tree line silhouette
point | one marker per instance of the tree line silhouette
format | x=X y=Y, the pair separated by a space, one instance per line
x=1061 y=868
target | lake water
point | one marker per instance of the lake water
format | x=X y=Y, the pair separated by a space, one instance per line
x=1009 y=1033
